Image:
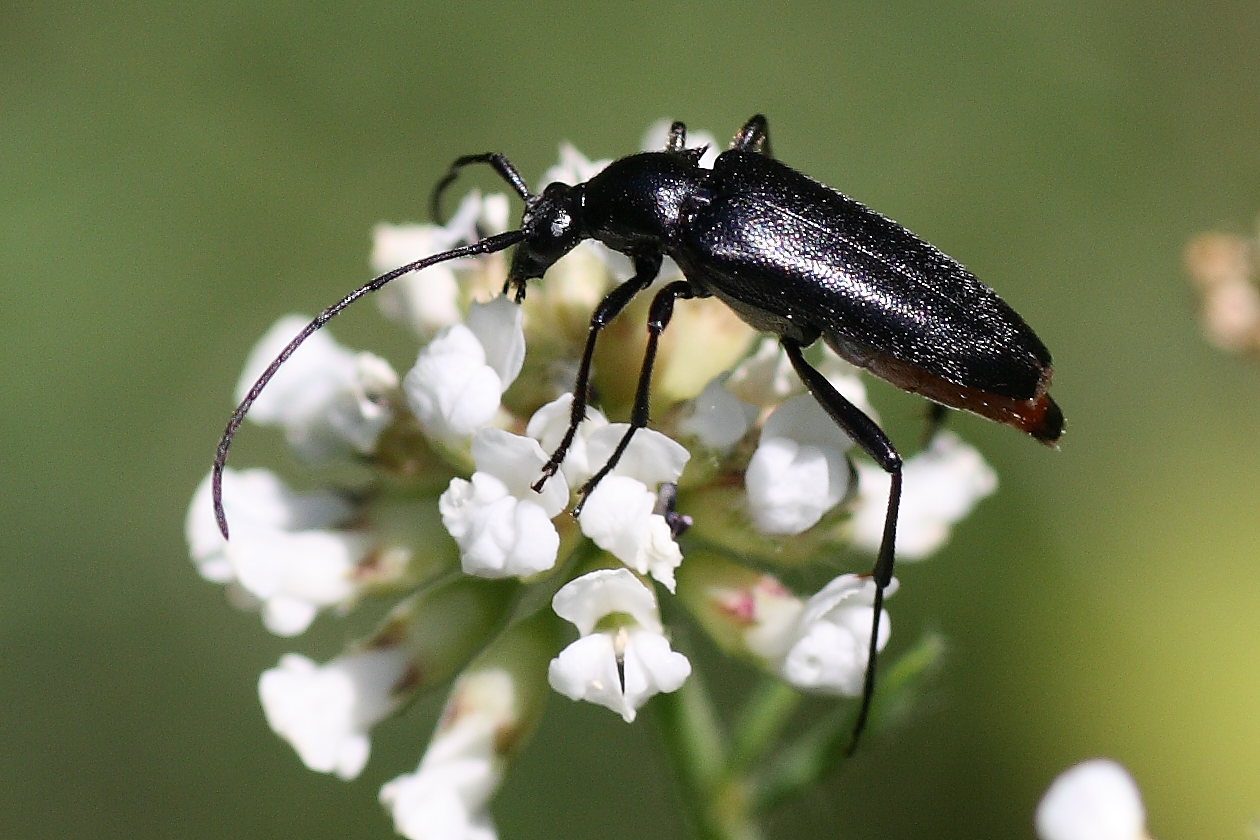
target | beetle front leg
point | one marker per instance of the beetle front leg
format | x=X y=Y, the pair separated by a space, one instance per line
x=659 y=315
x=645 y=270
x=501 y=165
x=871 y=438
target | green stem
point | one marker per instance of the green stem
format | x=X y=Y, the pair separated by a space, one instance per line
x=820 y=750
x=717 y=804
x=760 y=723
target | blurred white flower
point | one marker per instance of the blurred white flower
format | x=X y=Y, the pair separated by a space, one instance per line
x=458 y=379
x=429 y=300
x=622 y=667
x=718 y=418
x=1094 y=800
x=330 y=401
x=766 y=377
x=447 y=797
x=287 y=554
x=831 y=643
x=799 y=470
x=940 y=486
x=325 y=711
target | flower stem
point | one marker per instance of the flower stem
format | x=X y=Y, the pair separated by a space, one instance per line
x=716 y=802
x=761 y=722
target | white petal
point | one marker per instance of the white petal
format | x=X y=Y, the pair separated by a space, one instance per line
x=357 y=414
x=585 y=600
x=305 y=382
x=651 y=457
x=651 y=667
x=425 y=806
x=428 y=301
x=498 y=534
x=327 y=398
x=285 y=557
x=618 y=517
x=517 y=461
x=833 y=637
x=498 y=326
x=295 y=575
x=451 y=389
x=799 y=470
x=1095 y=800
x=425 y=301
x=587 y=670
x=548 y=426
x=765 y=378
x=719 y=419
x=502 y=526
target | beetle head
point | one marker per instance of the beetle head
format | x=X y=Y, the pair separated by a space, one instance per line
x=552 y=227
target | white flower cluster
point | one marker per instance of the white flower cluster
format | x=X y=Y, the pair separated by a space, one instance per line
x=448 y=458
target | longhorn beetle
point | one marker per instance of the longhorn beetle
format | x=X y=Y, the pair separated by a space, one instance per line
x=791 y=257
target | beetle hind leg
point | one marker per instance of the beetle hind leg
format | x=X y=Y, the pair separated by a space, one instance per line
x=871 y=438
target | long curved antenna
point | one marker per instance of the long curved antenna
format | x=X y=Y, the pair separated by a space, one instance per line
x=489 y=245
x=501 y=165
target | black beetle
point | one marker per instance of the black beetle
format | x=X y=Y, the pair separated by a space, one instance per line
x=791 y=257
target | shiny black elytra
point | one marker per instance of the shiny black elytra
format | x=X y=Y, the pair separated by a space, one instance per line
x=791 y=257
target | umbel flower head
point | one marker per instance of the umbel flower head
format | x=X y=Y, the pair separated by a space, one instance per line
x=496 y=588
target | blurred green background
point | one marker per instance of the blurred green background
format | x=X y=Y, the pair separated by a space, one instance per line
x=177 y=176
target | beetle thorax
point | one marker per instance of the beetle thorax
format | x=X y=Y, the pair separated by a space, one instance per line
x=636 y=202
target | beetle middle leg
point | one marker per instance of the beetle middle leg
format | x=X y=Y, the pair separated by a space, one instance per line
x=645 y=270
x=754 y=137
x=868 y=435
x=659 y=315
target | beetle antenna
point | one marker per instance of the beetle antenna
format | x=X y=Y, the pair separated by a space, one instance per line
x=489 y=245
